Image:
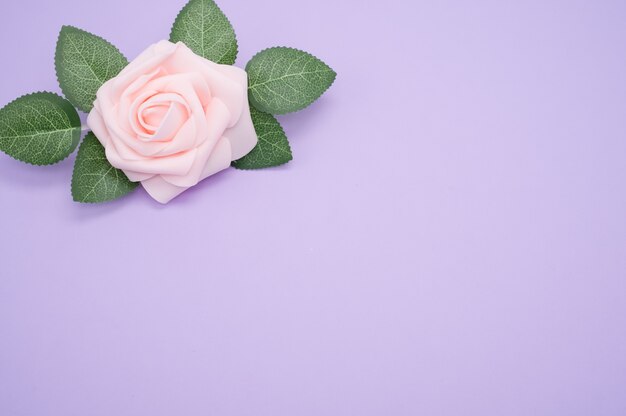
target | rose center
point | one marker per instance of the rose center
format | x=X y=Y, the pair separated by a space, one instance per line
x=162 y=115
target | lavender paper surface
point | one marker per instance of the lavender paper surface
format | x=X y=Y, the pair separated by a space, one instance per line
x=450 y=238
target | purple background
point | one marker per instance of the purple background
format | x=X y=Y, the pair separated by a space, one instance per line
x=450 y=238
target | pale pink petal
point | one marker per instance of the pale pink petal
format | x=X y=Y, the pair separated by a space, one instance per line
x=209 y=159
x=212 y=126
x=164 y=191
x=137 y=176
x=190 y=85
x=160 y=190
x=131 y=114
x=97 y=126
x=147 y=145
x=185 y=138
x=144 y=64
x=242 y=135
x=216 y=119
x=220 y=159
x=94 y=120
x=124 y=104
x=151 y=117
x=123 y=150
x=170 y=122
x=178 y=164
x=185 y=89
x=224 y=84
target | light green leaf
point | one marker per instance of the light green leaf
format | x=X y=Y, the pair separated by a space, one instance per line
x=40 y=128
x=272 y=148
x=282 y=80
x=83 y=63
x=94 y=179
x=204 y=28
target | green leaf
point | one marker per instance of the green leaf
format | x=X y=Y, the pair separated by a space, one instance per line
x=272 y=148
x=283 y=80
x=40 y=128
x=83 y=63
x=204 y=28
x=94 y=179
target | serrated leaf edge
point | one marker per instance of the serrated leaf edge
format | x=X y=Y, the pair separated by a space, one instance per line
x=57 y=59
x=73 y=176
x=74 y=128
x=227 y=19
x=297 y=50
x=282 y=130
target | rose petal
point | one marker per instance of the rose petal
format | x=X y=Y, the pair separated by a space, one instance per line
x=160 y=190
x=190 y=85
x=242 y=136
x=129 y=97
x=164 y=191
x=220 y=159
x=152 y=117
x=208 y=155
x=178 y=164
x=226 y=84
x=130 y=113
x=97 y=126
x=149 y=145
x=145 y=63
x=185 y=138
x=175 y=115
x=137 y=176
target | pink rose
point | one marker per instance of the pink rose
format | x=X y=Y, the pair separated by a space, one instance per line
x=172 y=118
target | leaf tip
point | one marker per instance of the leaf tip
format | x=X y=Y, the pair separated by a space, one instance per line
x=210 y=14
x=301 y=91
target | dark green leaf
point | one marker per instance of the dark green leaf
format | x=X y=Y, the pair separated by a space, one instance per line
x=94 y=179
x=283 y=80
x=204 y=28
x=40 y=128
x=83 y=63
x=272 y=148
